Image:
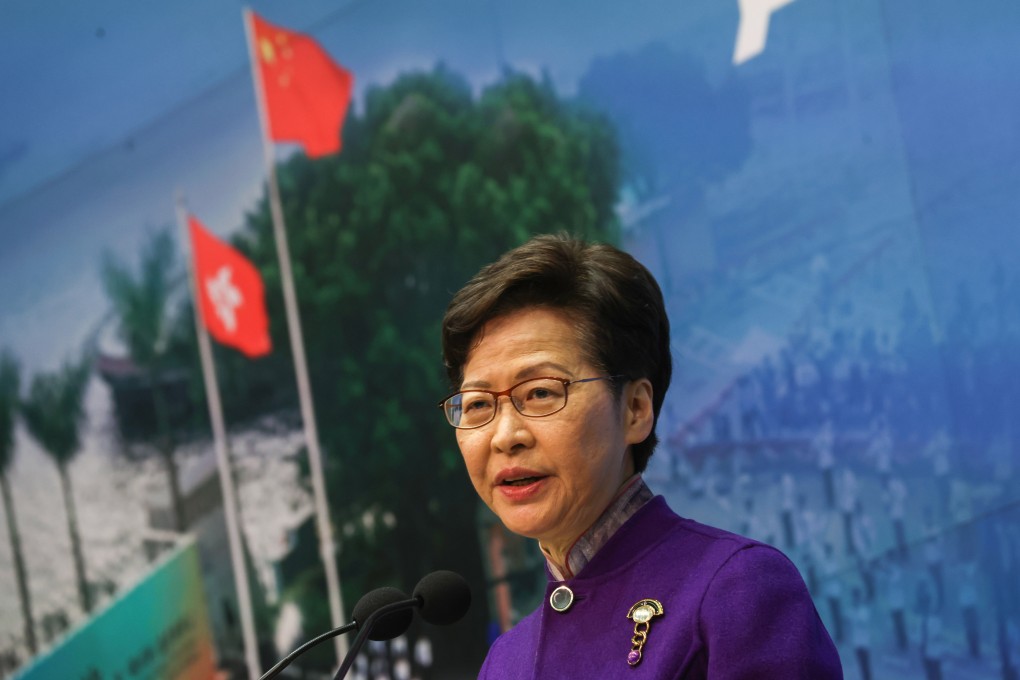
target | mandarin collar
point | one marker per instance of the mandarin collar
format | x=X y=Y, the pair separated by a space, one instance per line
x=633 y=495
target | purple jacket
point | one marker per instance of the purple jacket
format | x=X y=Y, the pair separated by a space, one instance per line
x=732 y=608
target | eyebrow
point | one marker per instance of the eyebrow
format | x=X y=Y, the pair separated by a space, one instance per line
x=534 y=371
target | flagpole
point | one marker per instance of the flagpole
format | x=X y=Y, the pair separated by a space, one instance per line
x=327 y=547
x=212 y=391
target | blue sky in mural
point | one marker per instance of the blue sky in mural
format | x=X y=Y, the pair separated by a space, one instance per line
x=88 y=75
x=120 y=104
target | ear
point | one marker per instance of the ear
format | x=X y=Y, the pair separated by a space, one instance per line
x=638 y=414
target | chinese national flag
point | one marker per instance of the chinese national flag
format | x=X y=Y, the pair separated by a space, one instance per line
x=305 y=92
x=231 y=298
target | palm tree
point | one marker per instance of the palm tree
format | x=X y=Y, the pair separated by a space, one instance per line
x=142 y=306
x=53 y=413
x=9 y=382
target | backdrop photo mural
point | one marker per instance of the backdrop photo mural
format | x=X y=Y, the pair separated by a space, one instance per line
x=826 y=191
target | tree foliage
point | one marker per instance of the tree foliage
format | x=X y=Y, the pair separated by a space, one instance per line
x=10 y=381
x=146 y=324
x=142 y=300
x=434 y=181
x=54 y=413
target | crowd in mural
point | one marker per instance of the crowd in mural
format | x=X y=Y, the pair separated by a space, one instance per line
x=879 y=460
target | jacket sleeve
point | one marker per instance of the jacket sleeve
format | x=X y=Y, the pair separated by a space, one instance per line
x=758 y=621
x=498 y=662
x=483 y=672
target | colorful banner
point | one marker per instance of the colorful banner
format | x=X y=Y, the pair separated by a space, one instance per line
x=159 y=630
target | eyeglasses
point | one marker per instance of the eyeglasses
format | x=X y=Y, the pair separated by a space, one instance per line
x=534 y=398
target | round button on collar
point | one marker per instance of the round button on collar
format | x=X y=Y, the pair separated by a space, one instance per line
x=561 y=599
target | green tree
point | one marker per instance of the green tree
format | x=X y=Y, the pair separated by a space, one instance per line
x=9 y=385
x=433 y=182
x=142 y=304
x=54 y=413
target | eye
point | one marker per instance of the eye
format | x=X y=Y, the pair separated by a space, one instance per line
x=544 y=390
x=477 y=403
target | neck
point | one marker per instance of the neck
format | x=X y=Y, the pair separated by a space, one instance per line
x=558 y=553
x=558 y=558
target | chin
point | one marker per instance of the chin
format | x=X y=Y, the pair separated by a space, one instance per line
x=523 y=526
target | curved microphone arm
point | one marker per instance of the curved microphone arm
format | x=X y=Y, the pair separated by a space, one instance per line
x=441 y=597
x=363 y=610
x=286 y=661
x=366 y=629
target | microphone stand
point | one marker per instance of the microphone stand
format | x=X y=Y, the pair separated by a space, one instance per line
x=366 y=628
x=286 y=661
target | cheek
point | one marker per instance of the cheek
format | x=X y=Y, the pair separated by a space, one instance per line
x=472 y=450
x=600 y=442
x=600 y=423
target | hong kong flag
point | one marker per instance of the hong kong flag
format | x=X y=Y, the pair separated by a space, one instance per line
x=231 y=298
x=305 y=93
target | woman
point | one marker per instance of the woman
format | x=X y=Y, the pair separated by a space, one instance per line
x=560 y=354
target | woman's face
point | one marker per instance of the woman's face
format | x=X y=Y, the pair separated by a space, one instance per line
x=549 y=478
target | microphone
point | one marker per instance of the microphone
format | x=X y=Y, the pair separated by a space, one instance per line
x=445 y=597
x=367 y=606
x=377 y=614
x=442 y=598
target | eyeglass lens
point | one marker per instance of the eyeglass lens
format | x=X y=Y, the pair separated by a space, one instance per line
x=538 y=397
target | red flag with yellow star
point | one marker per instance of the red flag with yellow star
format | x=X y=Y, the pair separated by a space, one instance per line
x=231 y=297
x=305 y=93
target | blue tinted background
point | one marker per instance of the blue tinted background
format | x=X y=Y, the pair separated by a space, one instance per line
x=833 y=222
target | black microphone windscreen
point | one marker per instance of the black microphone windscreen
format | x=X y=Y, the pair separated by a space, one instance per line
x=445 y=597
x=390 y=625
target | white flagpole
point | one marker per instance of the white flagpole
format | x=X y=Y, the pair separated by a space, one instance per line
x=212 y=392
x=327 y=547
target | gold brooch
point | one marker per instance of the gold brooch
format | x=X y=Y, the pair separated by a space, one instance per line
x=642 y=614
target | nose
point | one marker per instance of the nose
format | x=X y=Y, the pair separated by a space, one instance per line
x=510 y=430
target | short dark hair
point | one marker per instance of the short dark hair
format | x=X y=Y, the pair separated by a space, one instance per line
x=614 y=299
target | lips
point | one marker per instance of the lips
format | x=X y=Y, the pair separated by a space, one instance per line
x=518 y=485
x=524 y=481
x=517 y=477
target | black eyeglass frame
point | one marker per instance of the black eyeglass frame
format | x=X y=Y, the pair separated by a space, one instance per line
x=506 y=393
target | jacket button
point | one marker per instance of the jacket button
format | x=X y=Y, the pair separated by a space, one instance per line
x=561 y=599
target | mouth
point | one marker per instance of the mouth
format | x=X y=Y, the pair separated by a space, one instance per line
x=520 y=485
x=520 y=481
x=518 y=476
